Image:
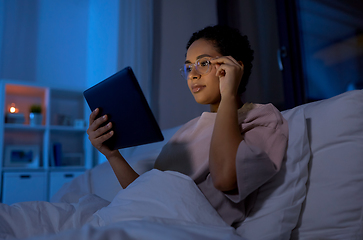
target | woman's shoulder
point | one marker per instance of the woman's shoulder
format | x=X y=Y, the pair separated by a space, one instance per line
x=258 y=109
x=260 y=114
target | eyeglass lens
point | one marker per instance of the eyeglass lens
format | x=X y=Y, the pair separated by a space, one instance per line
x=201 y=66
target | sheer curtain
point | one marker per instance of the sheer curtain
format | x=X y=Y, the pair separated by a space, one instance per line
x=18 y=40
x=1 y=33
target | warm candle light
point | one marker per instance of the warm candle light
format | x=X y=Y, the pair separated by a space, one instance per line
x=13 y=109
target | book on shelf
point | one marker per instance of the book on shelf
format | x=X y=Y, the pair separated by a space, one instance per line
x=56 y=155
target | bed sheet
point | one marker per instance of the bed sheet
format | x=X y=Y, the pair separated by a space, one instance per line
x=157 y=205
x=146 y=229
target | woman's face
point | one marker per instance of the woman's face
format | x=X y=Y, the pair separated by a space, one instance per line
x=205 y=88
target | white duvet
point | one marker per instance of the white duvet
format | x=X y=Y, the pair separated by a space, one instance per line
x=158 y=205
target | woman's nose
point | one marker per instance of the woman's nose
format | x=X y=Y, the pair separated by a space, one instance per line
x=194 y=74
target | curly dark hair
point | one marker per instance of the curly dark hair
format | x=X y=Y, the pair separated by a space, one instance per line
x=229 y=42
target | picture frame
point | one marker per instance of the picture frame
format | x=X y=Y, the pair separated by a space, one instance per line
x=26 y=156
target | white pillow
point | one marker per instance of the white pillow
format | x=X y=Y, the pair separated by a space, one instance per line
x=278 y=205
x=334 y=203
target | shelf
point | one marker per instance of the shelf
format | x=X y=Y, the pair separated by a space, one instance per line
x=63 y=125
x=23 y=169
x=67 y=128
x=66 y=168
x=22 y=127
x=19 y=89
x=27 y=127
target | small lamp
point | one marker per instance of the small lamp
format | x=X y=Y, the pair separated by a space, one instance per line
x=13 y=115
x=13 y=108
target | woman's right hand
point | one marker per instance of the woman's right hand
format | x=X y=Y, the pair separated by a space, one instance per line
x=98 y=134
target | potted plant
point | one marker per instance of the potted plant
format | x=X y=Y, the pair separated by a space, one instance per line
x=35 y=115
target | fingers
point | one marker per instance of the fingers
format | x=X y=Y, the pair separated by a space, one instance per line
x=100 y=135
x=98 y=140
x=226 y=64
x=95 y=123
x=225 y=60
x=221 y=71
x=97 y=134
x=93 y=115
x=95 y=130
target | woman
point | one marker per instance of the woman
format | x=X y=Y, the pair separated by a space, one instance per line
x=232 y=150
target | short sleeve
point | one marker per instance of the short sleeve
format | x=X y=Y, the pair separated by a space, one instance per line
x=260 y=154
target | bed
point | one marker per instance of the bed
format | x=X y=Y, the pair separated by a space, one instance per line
x=318 y=194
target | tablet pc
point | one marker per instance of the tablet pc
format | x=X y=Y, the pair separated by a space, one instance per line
x=121 y=98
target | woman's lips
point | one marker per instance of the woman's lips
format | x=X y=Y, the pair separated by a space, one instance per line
x=197 y=88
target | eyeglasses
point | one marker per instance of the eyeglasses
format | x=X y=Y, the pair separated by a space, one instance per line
x=202 y=66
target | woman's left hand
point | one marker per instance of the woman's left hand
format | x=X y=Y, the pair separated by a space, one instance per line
x=230 y=73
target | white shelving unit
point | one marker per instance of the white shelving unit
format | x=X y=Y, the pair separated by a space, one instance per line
x=39 y=173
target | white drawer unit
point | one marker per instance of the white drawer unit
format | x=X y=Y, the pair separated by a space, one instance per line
x=58 y=179
x=24 y=186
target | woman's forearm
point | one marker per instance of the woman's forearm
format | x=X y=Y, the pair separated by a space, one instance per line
x=226 y=138
x=125 y=174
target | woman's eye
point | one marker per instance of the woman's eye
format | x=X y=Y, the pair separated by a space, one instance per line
x=188 y=68
x=204 y=63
